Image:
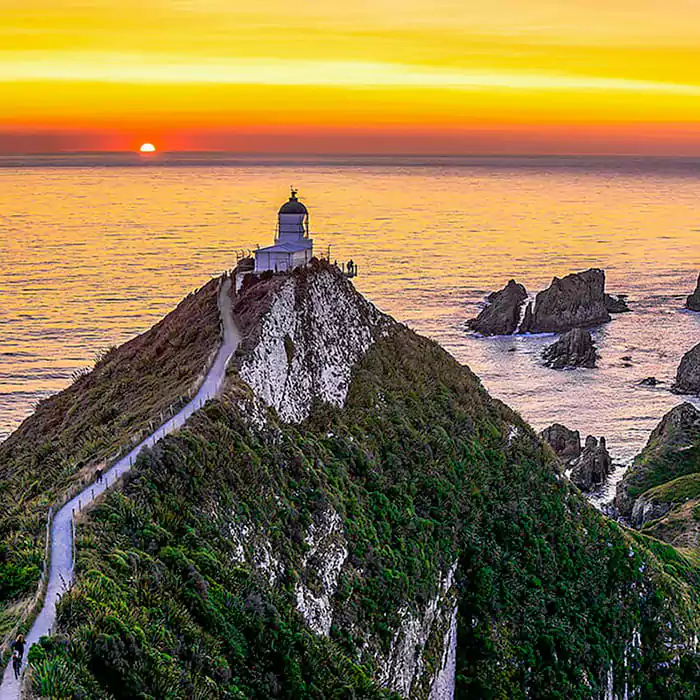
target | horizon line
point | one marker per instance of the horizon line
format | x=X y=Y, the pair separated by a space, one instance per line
x=150 y=157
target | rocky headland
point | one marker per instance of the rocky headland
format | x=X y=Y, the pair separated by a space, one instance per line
x=574 y=349
x=672 y=453
x=353 y=516
x=693 y=301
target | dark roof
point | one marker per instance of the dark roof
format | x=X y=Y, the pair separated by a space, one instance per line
x=293 y=206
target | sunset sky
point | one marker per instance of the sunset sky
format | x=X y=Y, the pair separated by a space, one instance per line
x=368 y=76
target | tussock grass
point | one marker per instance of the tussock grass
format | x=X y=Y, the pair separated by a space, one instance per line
x=114 y=406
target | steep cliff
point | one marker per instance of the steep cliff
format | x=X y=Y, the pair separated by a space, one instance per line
x=671 y=451
x=305 y=345
x=356 y=518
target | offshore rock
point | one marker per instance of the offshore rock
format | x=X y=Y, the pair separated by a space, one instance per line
x=650 y=381
x=616 y=304
x=693 y=301
x=573 y=349
x=575 y=301
x=594 y=465
x=688 y=374
x=502 y=314
x=566 y=443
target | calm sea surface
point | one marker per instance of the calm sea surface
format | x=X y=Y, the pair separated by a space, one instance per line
x=91 y=255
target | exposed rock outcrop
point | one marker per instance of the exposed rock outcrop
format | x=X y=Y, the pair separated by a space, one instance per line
x=646 y=509
x=575 y=301
x=693 y=301
x=573 y=349
x=616 y=304
x=315 y=330
x=688 y=374
x=669 y=453
x=403 y=668
x=594 y=465
x=565 y=443
x=322 y=563
x=650 y=381
x=502 y=313
x=591 y=466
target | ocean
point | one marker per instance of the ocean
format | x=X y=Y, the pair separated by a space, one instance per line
x=96 y=248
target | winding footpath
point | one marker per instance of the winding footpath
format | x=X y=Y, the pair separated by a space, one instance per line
x=61 y=569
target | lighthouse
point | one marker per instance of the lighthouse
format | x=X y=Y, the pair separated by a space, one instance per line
x=293 y=246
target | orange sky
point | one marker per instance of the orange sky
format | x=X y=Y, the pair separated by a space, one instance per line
x=404 y=76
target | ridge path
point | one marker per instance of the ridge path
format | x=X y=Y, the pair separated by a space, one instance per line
x=61 y=567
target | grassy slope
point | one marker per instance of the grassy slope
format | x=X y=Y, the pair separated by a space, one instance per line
x=677 y=490
x=655 y=467
x=424 y=469
x=667 y=472
x=72 y=433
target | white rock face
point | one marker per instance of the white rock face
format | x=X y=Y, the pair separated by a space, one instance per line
x=309 y=342
x=404 y=664
x=253 y=548
x=327 y=554
x=444 y=683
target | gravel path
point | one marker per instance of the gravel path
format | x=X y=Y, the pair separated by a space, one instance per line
x=61 y=570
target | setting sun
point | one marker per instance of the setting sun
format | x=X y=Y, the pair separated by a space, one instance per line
x=147 y=148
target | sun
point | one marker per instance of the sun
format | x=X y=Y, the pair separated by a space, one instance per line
x=147 y=148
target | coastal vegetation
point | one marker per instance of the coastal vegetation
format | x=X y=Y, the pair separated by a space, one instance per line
x=668 y=465
x=189 y=577
x=81 y=429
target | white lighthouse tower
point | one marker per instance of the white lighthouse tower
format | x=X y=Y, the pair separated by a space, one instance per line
x=292 y=247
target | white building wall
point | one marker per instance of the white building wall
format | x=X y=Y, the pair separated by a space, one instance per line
x=301 y=258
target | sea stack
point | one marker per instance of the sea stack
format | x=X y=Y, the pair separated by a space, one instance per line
x=575 y=301
x=502 y=313
x=593 y=466
x=688 y=374
x=573 y=349
x=565 y=442
x=693 y=301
